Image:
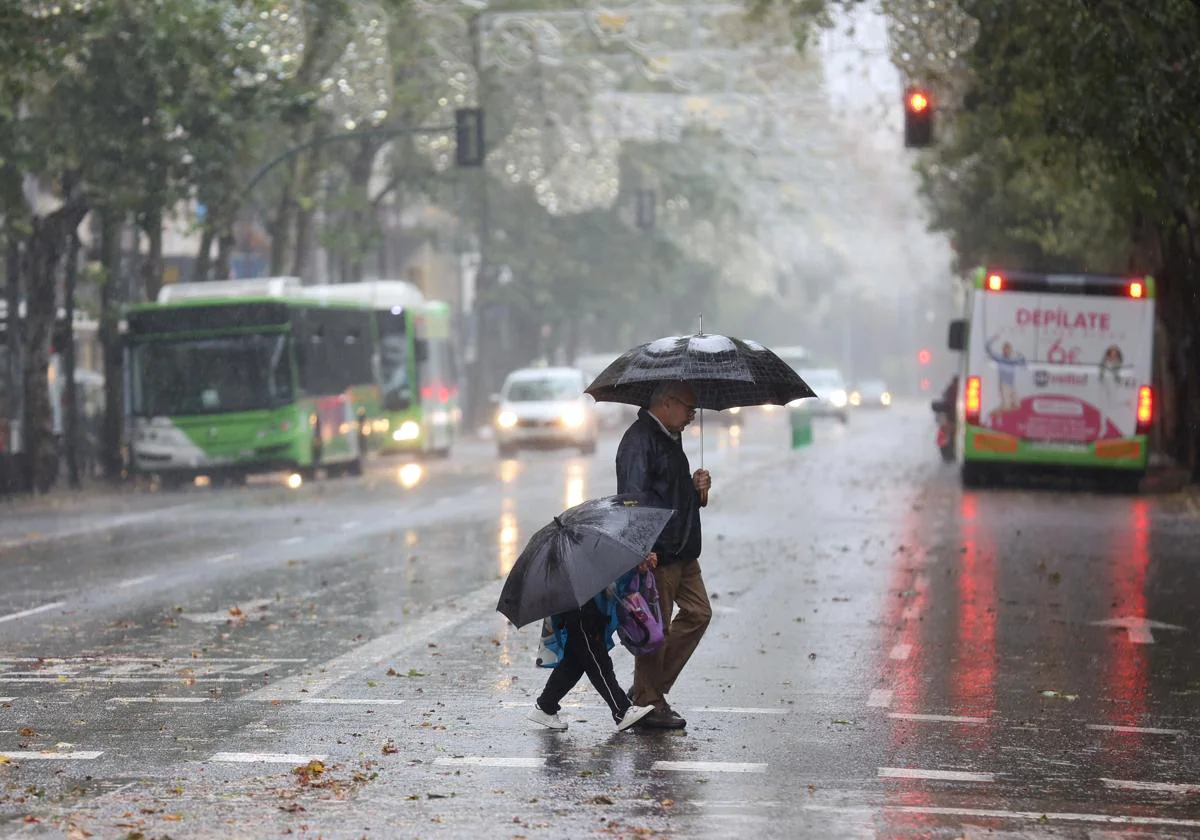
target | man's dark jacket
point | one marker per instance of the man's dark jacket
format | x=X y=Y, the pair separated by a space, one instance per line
x=652 y=462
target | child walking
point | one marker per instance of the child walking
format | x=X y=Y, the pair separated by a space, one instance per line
x=588 y=633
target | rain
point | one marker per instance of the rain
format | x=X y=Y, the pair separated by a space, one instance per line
x=662 y=420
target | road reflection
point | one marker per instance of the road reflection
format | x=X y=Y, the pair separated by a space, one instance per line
x=410 y=475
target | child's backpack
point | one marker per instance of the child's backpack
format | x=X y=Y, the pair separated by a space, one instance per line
x=550 y=651
x=640 y=626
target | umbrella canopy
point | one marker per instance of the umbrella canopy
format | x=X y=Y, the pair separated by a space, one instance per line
x=576 y=556
x=724 y=372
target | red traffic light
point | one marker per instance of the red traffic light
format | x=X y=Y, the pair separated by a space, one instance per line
x=917 y=101
x=924 y=357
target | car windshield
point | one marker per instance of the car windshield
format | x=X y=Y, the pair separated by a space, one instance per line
x=873 y=386
x=822 y=378
x=543 y=389
x=211 y=375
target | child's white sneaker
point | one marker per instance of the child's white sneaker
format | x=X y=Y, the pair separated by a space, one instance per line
x=549 y=721
x=632 y=715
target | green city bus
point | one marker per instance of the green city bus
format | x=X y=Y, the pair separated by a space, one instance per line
x=418 y=369
x=236 y=377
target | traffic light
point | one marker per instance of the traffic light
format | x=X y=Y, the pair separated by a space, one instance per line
x=924 y=357
x=468 y=137
x=918 y=118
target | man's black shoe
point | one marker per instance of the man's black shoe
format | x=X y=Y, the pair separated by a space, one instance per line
x=662 y=719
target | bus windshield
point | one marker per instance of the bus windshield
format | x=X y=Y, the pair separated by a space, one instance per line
x=211 y=375
x=394 y=361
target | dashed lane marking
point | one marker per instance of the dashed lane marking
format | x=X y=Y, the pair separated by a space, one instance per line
x=1139 y=730
x=105 y=525
x=936 y=718
x=350 y=526
x=31 y=611
x=710 y=766
x=997 y=814
x=7 y=699
x=880 y=698
x=719 y=710
x=220 y=558
x=266 y=758
x=159 y=699
x=291 y=540
x=935 y=775
x=125 y=584
x=900 y=651
x=489 y=761
x=1157 y=787
x=50 y=755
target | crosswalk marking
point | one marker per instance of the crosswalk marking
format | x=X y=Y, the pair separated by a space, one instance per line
x=50 y=755
x=1158 y=787
x=710 y=766
x=490 y=761
x=1141 y=730
x=936 y=718
x=880 y=698
x=266 y=758
x=900 y=651
x=935 y=775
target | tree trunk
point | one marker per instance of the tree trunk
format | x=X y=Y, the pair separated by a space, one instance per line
x=225 y=244
x=281 y=226
x=203 y=264
x=153 y=266
x=45 y=250
x=71 y=421
x=110 y=342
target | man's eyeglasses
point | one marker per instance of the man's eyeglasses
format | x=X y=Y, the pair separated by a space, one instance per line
x=690 y=408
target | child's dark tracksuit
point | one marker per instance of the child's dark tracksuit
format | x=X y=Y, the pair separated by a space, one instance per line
x=588 y=639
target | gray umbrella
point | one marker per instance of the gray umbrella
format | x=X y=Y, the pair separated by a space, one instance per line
x=576 y=556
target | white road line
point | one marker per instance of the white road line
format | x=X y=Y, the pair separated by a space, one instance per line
x=106 y=525
x=33 y=611
x=291 y=540
x=1022 y=816
x=1140 y=730
x=220 y=558
x=880 y=698
x=322 y=676
x=350 y=526
x=159 y=699
x=7 y=699
x=900 y=651
x=1158 y=787
x=936 y=718
x=490 y=761
x=710 y=766
x=135 y=581
x=938 y=775
x=66 y=679
x=49 y=755
x=911 y=612
x=350 y=701
x=737 y=710
x=266 y=758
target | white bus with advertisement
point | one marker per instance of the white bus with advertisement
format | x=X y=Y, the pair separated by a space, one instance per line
x=1055 y=372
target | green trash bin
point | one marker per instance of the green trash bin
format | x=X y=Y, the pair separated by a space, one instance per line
x=800 y=419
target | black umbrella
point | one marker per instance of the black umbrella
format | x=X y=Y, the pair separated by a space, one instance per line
x=724 y=372
x=576 y=556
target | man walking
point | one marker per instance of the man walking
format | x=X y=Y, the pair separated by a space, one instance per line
x=651 y=460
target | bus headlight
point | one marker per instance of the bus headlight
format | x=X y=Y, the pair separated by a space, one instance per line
x=855 y=398
x=886 y=399
x=838 y=398
x=409 y=430
x=572 y=418
x=506 y=419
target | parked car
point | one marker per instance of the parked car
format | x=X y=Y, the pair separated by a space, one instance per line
x=545 y=408
x=871 y=393
x=833 y=399
x=611 y=415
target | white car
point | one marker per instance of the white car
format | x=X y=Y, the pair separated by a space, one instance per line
x=545 y=408
x=832 y=395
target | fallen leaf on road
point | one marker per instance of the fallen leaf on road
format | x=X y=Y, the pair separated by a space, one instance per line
x=26 y=732
x=601 y=800
x=235 y=611
x=392 y=672
x=173 y=817
x=293 y=808
x=390 y=748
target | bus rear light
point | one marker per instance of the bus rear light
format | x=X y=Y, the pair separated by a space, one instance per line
x=974 y=399
x=1137 y=289
x=995 y=282
x=1145 y=409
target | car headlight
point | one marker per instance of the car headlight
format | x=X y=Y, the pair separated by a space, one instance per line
x=855 y=398
x=886 y=398
x=735 y=410
x=572 y=417
x=506 y=419
x=409 y=430
x=838 y=398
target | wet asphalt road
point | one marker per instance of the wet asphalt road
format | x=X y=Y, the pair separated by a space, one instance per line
x=889 y=657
